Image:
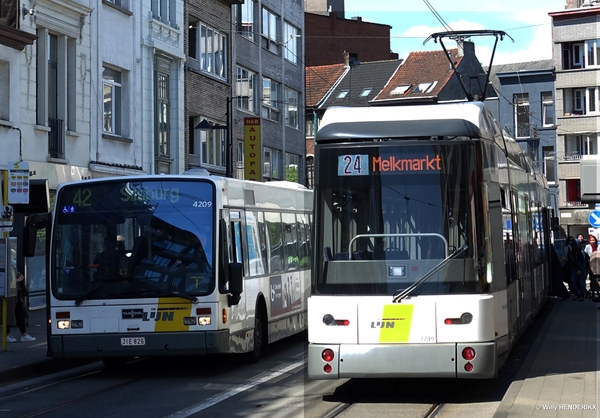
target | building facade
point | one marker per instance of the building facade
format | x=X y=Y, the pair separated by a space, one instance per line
x=576 y=56
x=252 y=73
x=526 y=110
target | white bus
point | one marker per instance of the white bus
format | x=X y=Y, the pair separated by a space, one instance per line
x=162 y=265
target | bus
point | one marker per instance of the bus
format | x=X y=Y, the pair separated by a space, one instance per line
x=164 y=265
x=414 y=275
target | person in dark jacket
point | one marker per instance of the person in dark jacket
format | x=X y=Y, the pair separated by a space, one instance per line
x=558 y=288
x=21 y=311
x=576 y=262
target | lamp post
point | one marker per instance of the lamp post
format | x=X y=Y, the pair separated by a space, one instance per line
x=207 y=126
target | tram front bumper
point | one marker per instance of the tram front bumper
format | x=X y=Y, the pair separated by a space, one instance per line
x=402 y=360
x=155 y=344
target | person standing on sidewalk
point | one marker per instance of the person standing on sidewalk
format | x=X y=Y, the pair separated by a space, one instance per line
x=21 y=311
x=576 y=261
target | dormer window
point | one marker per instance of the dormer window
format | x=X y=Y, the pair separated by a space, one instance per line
x=399 y=90
x=424 y=87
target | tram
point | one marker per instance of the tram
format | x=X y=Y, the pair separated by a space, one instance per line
x=432 y=240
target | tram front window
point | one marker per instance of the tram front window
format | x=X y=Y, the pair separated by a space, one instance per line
x=123 y=239
x=389 y=214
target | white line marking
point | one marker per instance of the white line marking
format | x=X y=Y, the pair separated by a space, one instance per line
x=226 y=395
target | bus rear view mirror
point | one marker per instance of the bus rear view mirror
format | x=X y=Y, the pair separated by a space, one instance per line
x=29 y=240
x=236 y=282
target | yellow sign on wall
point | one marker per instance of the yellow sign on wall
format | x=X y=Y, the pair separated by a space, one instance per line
x=252 y=149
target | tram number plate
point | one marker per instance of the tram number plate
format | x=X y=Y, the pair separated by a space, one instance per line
x=133 y=341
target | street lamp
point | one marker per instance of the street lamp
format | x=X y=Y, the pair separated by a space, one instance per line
x=205 y=125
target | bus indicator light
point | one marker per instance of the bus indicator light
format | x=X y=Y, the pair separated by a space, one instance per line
x=224 y=316
x=327 y=368
x=468 y=367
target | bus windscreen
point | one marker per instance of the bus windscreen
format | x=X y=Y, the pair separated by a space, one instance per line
x=123 y=239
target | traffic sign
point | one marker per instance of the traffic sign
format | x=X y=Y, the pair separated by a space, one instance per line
x=594 y=218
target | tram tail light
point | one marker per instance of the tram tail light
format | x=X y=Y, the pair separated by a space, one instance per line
x=468 y=353
x=330 y=321
x=468 y=367
x=465 y=318
x=328 y=355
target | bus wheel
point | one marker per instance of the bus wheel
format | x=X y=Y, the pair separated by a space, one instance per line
x=260 y=336
x=113 y=363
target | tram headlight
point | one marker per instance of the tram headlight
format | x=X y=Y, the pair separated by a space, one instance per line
x=77 y=323
x=329 y=320
x=466 y=318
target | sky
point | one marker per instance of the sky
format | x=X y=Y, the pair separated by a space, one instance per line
x=412 y=22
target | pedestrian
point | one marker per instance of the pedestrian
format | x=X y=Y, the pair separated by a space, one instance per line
x=576 y=261
x=592 y=245
x=21 y=311
x=558 y=288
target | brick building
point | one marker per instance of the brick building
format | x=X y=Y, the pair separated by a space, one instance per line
x=329 y=36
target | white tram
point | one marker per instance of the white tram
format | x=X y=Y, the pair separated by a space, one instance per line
x=414 y=275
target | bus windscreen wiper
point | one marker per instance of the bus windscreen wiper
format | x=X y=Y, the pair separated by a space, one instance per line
x=401 y=294
x=102 y=285
x=164 y=292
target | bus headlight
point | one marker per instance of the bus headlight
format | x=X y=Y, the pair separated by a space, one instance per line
x=189 y=320
x=63 y=324
x=204 y=320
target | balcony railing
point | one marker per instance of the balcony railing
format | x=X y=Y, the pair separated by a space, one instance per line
x=56 y=139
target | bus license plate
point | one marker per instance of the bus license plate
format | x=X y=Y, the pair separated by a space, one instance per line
x=133 y=341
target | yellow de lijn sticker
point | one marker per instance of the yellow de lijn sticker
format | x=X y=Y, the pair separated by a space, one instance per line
x=395 y=323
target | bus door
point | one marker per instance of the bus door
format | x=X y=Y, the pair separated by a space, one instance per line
x=235 y=252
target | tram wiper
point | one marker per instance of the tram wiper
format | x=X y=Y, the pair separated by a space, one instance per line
x=402 y=294
x=85 y=296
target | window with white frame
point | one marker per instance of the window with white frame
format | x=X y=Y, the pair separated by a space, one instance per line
x=111 y=86
x=578 y=145
x=162 y=115
x=547 y=109
x=270 y=101
x=549 y=164
x=52 y=87
x=245 y=17
x=165 y=11
x=291 y=36
x=522 y=121
x=585 y=101
x=245 y=89
x=213 y=146
x=592 y=52
x=270 y=31
x=209 y=47
x=121 y=3
x=291 y=107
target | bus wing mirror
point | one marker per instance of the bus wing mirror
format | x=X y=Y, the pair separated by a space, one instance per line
x=236 y=282
x=29 y=240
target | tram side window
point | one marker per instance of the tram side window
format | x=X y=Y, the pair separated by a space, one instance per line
x=255 y=260
x=291 y=241
x=273 y=224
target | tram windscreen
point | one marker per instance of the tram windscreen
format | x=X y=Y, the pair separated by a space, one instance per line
x=389 y=215
x=122 y=239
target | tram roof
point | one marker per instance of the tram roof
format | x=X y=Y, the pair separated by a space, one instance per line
x=470 y=119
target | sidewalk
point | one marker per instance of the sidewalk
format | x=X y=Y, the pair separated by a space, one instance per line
x=21 y=357
x=560 y=376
